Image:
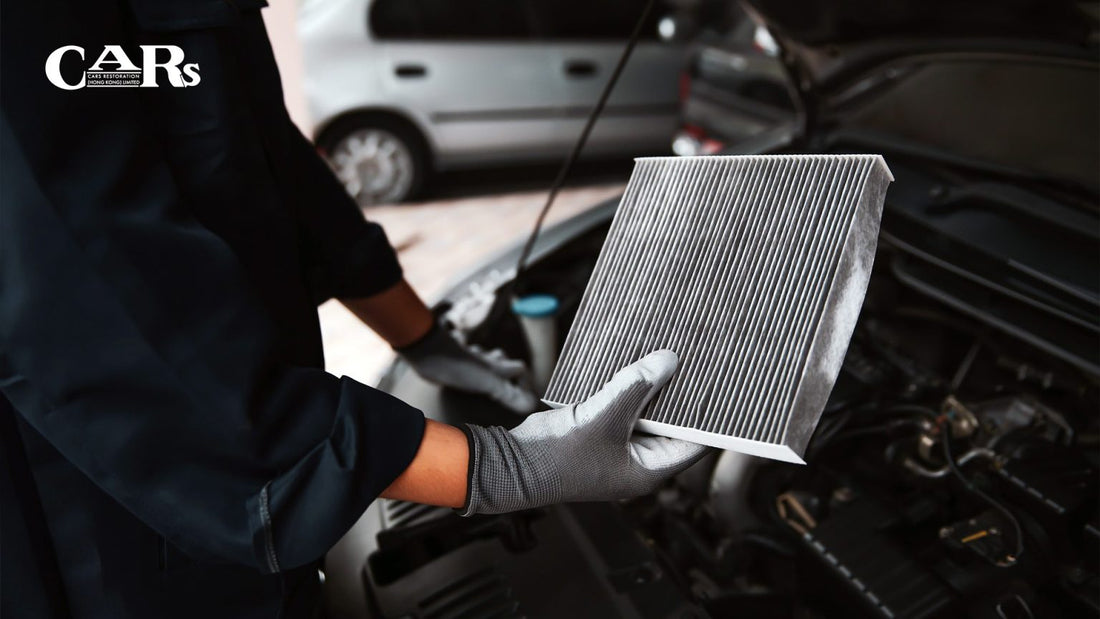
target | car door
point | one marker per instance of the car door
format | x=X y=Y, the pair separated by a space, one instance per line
x=472 y=73
x=585 y=39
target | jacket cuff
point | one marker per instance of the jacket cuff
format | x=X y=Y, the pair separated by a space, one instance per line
x=430 y=341
x=471 y=466
x=363 y=268
x=297 y=516
x=370 y=267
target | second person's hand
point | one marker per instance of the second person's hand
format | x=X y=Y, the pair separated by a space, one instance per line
x=440 y=358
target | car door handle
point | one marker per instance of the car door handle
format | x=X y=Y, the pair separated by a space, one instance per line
x=580 y=68
x=410 y=70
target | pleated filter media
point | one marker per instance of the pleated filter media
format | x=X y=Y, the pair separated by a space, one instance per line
x=753 y=270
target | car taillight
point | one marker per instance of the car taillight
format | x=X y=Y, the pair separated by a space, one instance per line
x=685 y=86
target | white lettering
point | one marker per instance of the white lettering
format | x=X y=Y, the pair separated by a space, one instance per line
x=53 y=67
x=192 y=71
x=171 y=66
x=114 y=54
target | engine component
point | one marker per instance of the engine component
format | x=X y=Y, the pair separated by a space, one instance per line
x=441 y=566
x=536 y=316
x=981 y=535
x=889 y=581
x=728 y=489
x=751 y=268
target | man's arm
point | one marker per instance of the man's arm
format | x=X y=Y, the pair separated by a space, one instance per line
x=437 y=474
x=396 y=314
x=349 y=258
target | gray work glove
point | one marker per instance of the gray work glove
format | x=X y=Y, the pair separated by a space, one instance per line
x=439 y=358
x=583 y=452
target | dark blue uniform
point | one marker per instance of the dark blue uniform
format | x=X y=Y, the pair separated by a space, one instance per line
x=170 y=444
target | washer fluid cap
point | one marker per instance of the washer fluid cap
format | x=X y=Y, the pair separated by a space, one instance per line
x=536 y=306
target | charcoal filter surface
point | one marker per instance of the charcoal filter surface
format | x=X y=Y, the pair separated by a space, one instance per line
x=753 y=270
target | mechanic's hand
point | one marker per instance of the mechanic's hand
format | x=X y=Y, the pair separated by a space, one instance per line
x=583 y=452
x=440 y=358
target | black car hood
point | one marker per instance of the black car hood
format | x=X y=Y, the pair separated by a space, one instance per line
x=827 y=42
x=989 y=226
x=842 y=22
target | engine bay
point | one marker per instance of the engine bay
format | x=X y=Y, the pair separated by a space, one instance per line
x=953 y=473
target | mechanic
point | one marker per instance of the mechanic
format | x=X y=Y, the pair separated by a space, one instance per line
x=170 y=444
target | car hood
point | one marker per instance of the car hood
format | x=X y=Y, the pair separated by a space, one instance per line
x=828 y=40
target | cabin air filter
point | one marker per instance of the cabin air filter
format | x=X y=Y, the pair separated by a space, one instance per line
x=753 y=270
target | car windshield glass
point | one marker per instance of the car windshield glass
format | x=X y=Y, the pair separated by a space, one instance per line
x=592 y=19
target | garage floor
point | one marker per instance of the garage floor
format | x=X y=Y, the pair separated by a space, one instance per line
x=441 y=239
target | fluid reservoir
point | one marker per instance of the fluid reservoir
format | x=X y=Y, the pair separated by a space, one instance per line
x=537 y=314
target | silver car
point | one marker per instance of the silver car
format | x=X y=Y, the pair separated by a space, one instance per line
x=401 y=88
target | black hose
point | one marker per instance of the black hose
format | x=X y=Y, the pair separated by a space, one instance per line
x=877 y=429
x=945 y=438
x=1017 y=531
x=567 y=167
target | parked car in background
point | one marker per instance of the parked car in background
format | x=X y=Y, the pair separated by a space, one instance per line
x=401 y=88
x=733 y=86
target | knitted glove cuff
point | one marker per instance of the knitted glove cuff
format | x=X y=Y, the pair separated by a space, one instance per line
x=505 y=476
x=426 y=344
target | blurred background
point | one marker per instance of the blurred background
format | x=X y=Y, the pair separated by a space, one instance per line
x=449 y=120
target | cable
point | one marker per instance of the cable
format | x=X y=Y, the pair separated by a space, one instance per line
x=919 y=469
x=917 y=409
x=945 y=435
x=832 y=426
x=1018 y=532
x=881 y=428
x=964 y=367
x=567 y=167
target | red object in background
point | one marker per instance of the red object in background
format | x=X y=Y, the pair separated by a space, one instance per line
x=685 y=86
x=694 y=131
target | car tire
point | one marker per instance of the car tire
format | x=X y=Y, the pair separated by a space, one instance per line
x=379 y=160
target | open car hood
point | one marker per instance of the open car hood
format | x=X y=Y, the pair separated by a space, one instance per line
x=818 y=22
x=829 y=39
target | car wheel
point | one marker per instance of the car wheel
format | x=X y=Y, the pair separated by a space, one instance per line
x=378 y=162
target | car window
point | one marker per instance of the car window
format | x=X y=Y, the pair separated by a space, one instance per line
x=593 y=19
x=485 y=20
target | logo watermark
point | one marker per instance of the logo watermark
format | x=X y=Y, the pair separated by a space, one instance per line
x=114 y=69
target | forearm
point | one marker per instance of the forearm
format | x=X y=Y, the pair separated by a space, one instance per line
x=396 y=314
x=437 y=474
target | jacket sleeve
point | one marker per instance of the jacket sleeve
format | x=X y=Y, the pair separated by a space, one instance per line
x=345 y=255
x=129 y=339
